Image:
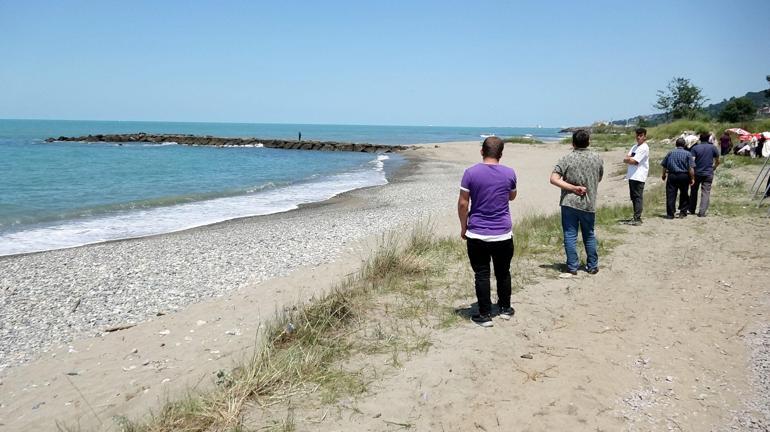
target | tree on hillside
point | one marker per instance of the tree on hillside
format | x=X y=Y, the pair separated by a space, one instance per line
x=737 y=110
x=681 y=99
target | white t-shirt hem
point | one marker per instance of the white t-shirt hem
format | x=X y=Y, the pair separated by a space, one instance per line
x=489 y=238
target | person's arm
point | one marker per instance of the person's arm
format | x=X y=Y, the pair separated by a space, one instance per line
x=691 y=171
x=629 y=160
x=559 y=182
x=638 y=156
x=513 y=182
x=601 y=169
x=463 y=202
x=716 y=159
x=663 y=163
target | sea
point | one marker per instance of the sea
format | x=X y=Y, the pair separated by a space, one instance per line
x=66 y=194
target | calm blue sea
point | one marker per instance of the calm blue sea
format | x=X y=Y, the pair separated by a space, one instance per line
x=61 y=195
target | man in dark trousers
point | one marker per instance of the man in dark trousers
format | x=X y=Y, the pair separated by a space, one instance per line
x=678 y=173
x=488 y=187
x=638 y=161
x=706 y=161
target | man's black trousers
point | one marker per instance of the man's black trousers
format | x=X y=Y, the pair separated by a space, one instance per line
x=500 y=253
x=677 y=182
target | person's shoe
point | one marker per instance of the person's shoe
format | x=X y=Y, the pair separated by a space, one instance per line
x=701 y=215
x=482 y=320
x=682 y=215
x=506 y=313
x=568 y=274
x=593 y=271
x=636 y=222
x=669 y=216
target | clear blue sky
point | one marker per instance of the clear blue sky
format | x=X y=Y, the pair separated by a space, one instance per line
x=484 y=63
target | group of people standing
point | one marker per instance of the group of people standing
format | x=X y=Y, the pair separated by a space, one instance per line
x=487 y=187
x=693 y=169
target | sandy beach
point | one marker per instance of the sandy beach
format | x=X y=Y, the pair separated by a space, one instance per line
x=671 y=344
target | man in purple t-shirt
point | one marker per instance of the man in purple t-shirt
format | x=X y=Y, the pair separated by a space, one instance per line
x=487 y=228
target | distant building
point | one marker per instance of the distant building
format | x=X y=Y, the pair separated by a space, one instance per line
x=764 y=111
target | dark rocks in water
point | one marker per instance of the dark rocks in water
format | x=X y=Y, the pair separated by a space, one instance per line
x=575 y=129
x=208 y=140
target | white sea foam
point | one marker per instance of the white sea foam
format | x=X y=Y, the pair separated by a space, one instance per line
x=163 y=144
x=159 y=220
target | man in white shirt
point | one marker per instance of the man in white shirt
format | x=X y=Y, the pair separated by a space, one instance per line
x=638 y=161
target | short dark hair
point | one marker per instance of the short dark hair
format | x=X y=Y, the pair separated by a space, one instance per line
x=680 y=142
x=704 y=136
x=641 y=131
x=492 y=147
x=581 y=138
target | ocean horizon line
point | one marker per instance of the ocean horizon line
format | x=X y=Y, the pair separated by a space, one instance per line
x=281 y=123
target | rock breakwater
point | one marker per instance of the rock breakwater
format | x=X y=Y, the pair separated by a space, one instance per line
x=207 y=140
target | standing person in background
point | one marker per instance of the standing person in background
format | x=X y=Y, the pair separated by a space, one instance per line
x=578 y=174
x=725 y=143
x=678 y=173
x=706 y=161
x=488 y=187
x=638 y=161
x=299 y=136
x=760 y=144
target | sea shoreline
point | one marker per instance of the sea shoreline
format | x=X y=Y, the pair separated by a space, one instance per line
x=402 y=168
x=115 y=266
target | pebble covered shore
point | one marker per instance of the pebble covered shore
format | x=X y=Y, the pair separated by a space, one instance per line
x=52 y=297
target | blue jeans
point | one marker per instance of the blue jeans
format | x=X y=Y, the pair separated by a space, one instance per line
x=571 y=220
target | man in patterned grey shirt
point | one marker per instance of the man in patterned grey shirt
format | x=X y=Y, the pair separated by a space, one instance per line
x=578 y=174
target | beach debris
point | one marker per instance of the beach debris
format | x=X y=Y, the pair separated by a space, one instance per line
x=165 y=380
x=290 y=328
x=135 y=350
x=37 y=405
x=164 y=332
x=118 y=327
x=130 y=368
x=527 y=356
x=76 y=304
x=233 y=332
x=200 y=323
x=73 y=373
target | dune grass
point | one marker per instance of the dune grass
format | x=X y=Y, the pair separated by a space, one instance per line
x=301 y=352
